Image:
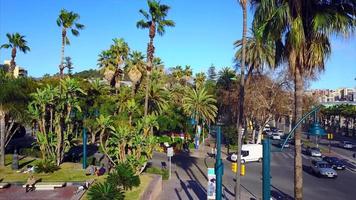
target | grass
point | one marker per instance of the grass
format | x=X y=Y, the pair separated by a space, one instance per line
x=68 y=172
x=136 y=192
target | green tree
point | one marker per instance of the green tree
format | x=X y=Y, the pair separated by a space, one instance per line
x=199 y=80
x=67 y=20
x=14 y=95
x=16 y=41
x=124 y=177
x=155 y=20
x=200 y=105
x=301 y=30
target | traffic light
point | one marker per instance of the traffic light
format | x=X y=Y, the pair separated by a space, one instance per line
x=234 y=168
x=330 y=136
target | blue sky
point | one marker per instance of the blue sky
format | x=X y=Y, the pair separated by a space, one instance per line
x=204 y=33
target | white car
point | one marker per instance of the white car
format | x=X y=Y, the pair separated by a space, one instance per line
x=276 y=136
x=280 y=132
x=346 y=145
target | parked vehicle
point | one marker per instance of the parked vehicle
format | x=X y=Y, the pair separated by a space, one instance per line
x=346 y=145
x=275 y=136
x=335 y=162
x=286 y=145
x=322 y=168
x=313 y=151
x=280 y=132
x=249 y=153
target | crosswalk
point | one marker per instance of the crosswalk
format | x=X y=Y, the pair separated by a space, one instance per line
x=287 y=155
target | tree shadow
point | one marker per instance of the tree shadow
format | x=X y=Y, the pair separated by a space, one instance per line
x=26 y=163
x=279 y=195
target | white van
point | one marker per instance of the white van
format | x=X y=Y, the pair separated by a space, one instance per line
x=249 y=153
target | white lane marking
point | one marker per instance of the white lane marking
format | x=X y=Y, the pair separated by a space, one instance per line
x=285 y=155
x=305 y=157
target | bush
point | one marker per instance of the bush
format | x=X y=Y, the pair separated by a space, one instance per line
x=191 y=146
x=163 y=172
x=45 y=166
x=164 y=138
x=123 y=176
x=105 y=191
x=31 y=152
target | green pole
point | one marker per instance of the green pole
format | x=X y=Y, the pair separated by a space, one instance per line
x=84 y=148
x=266 y=182
x=219 y=166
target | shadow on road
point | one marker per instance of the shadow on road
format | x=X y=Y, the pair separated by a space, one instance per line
x=279 y=195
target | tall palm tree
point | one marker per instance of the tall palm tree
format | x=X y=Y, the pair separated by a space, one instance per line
x=199 y=80
x=200 y=104
x=259 y=54
x=240 y=115
x=120 y=51
x=16 y=41
x=187 y=73
x=155 y=20
x=136 y=69
x=67 y=20
x=301 y=30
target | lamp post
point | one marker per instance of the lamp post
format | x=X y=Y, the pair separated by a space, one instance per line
x=85 y=138
x=219 y=166
x=315 y=130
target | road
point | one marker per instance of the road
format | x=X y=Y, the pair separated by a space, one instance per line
x=189 y=179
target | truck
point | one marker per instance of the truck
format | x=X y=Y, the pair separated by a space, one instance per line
x=249 y=153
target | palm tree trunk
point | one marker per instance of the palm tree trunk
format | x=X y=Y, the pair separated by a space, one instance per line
x=298 y=170
x=2 y=138
x=61 y=66
x=241 y=101
x=12 y=62
x=150 y=52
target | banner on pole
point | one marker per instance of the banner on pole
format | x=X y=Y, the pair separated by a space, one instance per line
x=211 y=184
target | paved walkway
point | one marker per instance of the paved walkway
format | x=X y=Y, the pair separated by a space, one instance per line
x=18 y=193
x=189 y=176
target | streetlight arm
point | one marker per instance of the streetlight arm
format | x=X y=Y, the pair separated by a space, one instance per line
x=314 y=110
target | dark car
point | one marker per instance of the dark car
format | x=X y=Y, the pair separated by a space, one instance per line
x=335 y=162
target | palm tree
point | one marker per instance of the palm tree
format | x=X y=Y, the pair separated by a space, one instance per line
x=200 y=104
x=301 y=30
x=259 y=54
x=120 y=52
x=155 y=20
x=16 y=41
x=199 y=80
x=67 y=20
x=240 y=115
x=136 y=69
x=187 y=73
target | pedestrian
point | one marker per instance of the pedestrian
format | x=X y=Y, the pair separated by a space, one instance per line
x=30 y=184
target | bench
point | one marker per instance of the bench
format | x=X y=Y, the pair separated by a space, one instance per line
x=4 y=185
x=47 y=185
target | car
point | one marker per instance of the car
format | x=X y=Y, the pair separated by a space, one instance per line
x=286 y=145
x=276 y=136
x=313 y=151
x=323 y=169
x=346 y=145
x=274 y=129
x=335 y=162
x=280 y=132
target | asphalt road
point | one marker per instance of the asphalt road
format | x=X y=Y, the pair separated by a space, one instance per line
x=189 y=179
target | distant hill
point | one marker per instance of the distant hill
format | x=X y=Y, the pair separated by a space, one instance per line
x=91 y=73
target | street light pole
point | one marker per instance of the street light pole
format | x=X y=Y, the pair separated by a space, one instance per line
x=266 y=168
x=85 y=138
x=219 y=166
